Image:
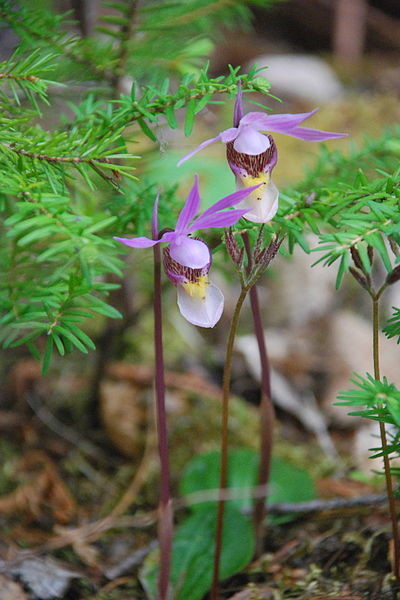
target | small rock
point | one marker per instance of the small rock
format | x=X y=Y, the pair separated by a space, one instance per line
x=46 y=578
x=300 y=76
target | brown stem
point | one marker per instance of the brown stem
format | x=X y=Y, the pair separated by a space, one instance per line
x=267 y=413
x=56 y=159
x=74 y=160
x=165 y=519
x=31 y=78
x=224 y=441
x=267 y=416
x=382 y=431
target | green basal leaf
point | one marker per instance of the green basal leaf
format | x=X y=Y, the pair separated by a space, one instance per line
x=202 y=473
x=193 y=547
x=288 y=483
x=193 y=553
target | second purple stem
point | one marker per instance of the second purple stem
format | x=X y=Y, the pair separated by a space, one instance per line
x=165 y=517
x=267 y=413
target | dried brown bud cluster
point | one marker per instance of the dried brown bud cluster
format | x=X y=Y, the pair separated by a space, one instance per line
x=233 y=249
x=263 y=256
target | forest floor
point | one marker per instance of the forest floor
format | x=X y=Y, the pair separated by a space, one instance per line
x=78 y=517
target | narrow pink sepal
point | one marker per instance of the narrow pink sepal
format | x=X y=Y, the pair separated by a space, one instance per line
x=190 y=208
x=313 y=135
x=287 y=124
x=200 y=147
x=279 y=123
x=139 y=242
x=228 y=135
x=227 y=218
x=230 y=200
x=238 y=110
x=154 y=219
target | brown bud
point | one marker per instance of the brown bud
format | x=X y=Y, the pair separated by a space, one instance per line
x=258 y=245
x=394 y=246
x=362 y=280
x=355 y=255
x=265 y=256
x=234 y=251
x=393 y=276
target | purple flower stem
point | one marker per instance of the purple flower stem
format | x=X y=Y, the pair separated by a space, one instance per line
x=267 y=413
x=165 y=519
x=224 y=441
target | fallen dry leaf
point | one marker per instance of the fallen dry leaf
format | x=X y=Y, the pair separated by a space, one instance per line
x=142 y=375
x=88 y=553
x=344 y=488
x=192 y=403
x=23 y=375
x=254 y=592
x=44 y=489
x=10 y=590
x=123 y=415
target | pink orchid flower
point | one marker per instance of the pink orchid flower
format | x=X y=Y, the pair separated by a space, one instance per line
x=187 y=260
x=252 y=154
x=186 y=250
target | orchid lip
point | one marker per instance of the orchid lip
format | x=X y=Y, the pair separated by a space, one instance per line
x=203 y=311
x=199 y=301
x=263 y=207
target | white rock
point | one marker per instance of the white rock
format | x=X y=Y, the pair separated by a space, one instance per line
x=302 y=76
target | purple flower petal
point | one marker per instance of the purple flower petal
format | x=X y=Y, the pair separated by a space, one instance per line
x=250 y=141
x=225 y=202
x=190 y=253
x=238 y=110
x=169 y=236
x=139 y=242
x=247 y=136
x=226 y=218
x=144 y=242
x=200 y=147
x=190 y=208
x=281 y=122
x=228 y=135
x=215 y=216
x=154 y=219
x=203 y=312
x=313 y=135
x=287 y=124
